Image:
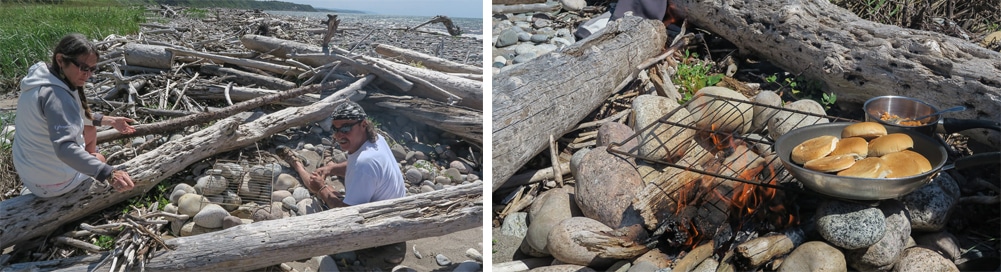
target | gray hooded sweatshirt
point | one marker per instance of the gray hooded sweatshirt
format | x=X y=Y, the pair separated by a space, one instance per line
x=48 y=148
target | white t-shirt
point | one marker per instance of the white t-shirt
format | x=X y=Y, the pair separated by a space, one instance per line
x=372 y=174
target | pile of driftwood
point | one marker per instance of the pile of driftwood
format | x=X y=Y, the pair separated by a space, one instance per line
x=200 y=80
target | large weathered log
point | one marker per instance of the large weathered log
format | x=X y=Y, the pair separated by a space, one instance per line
x=469 y=91
x=301 y=237
x=26 y=217
x=523 y=8
x=530 y=103
x=247 y=78
x=240 y=94
x=429 y=61
x=460 y=121
x=266 y=66
x=361 y=64
x=283 y=48
x=859 y=59
x=145 y=55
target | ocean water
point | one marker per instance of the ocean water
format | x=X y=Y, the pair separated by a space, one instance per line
x=471 y=27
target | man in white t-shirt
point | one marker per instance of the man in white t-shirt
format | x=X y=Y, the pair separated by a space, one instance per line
x=370 y=174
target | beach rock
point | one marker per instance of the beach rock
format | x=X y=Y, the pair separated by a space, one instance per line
x=231 y=221
x=191 y=229
x=849 y=225
x=399 y=152
x=606 y=185
x=886 y=252
x=573 y=5
x=615 y=132
x=548 y=209
x=507 y=37
x=515 y=224
x=472 y=253
x=576 y=159
x=785 y=121
x=191 y=204
x=453 y=174
x=726 y=115
x=231 y=171
x=176 y=195
x=917 y=259
x=427 y=188
x=814 y=256
x=308 y=206
x=461 y=166
x=568 y=250
x=651 y=261
x=245 y=211
x=442 y=260
x=942 y=242
x=278 y=195
x=931 y=205
x=211 y=184
x=286 y=182
x=413 y=176
x=211 y=216
x=231 y=200
x=762 y=113
x=289 y=203
x=661 y=142
x=300 y=193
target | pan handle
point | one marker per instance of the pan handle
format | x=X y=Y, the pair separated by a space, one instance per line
x=950 y=125
x=986 y=158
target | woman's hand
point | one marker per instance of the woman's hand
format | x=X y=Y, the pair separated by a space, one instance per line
x=121 y=181
x=119 y=123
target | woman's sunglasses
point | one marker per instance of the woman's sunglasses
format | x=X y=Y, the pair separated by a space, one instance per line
x=83 y=67
x=345 y=128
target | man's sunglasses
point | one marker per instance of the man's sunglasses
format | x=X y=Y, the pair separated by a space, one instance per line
x=345 y=128
x=83 y=67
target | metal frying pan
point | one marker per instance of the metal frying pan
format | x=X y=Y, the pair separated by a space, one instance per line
x=853 y=187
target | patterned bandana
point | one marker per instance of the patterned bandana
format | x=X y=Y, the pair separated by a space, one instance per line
x=348 y=111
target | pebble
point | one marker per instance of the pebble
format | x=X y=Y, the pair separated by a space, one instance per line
x=413 y=176
x=886 y=252
x=930 y=205
x=515 y=224
x=814 y=256
x=922 y=259
x=442 y=260
x=473 y=254
x=606 y=185
x=548 y=209
x=191 y=204
x=942 y=242
x=650 y=108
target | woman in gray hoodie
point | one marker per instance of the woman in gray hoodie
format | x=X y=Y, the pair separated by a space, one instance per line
x=52 y=156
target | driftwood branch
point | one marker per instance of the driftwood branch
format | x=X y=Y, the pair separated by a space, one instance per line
x=460 y=121
x=431 y=62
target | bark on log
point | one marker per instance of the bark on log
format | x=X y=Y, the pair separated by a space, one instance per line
x=247 y=78
x=523 y=8
x=469 y=91
x=153 y=56
x=530 y=103
x=460 y=121
x=429 y=61
x=26 y=217
x=859 y=59
x=240 y=94
x=329 y=232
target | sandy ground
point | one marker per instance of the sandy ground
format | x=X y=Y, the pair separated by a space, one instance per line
x=8 y=104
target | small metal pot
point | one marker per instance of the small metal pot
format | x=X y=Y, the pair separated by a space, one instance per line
x=907 y=107
x=870 y=188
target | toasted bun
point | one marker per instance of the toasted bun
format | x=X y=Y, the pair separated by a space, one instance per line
x=890 y=143
x=813 y=149
x=866 y=168
x=905 y=163
x=831 y=163
x=867 y=130
x=852 y=145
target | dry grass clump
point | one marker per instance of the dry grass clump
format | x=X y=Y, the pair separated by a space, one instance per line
x=10 y=185
x=965 y=19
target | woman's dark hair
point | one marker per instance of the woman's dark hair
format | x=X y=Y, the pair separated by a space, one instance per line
x=72 y=46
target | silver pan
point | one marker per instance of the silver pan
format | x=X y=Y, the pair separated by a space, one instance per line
x=853 y=187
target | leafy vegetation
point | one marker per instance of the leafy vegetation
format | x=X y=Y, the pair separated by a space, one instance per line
x=31 y=29
x=802 y=88
x=105 y=242
x=694 y=74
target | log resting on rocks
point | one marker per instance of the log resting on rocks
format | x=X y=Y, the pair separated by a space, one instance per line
x=859 y=59
x=460 y=121
x=266 y=243
x=554 y=92
x=28 y=216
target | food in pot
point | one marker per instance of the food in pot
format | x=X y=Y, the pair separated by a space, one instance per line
x=871 y=167
x=852 y=145
x=890 y=143
x=831 y=163
x=813 y=149
x=866 y=130
x=903 y=121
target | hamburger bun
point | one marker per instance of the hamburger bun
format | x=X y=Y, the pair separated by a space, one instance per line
x=905 y=163
x=866 y=168
x=890 y=143
x=813 y=149
x=852 y=145
x=831 y=163
x=867 y=130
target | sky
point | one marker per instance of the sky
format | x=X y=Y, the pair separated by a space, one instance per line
x=450 y=8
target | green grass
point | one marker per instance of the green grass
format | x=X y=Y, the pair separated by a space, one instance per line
x=29 y=31
x=694 y=74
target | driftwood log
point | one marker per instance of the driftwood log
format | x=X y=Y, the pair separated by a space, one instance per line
x=859 y=59
x=248 y=78
x=523 y=8
x=530 y=103
x=338 y=230
x=460 y=121
x=431 y=62
x=26 y=217
x=432 y=83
